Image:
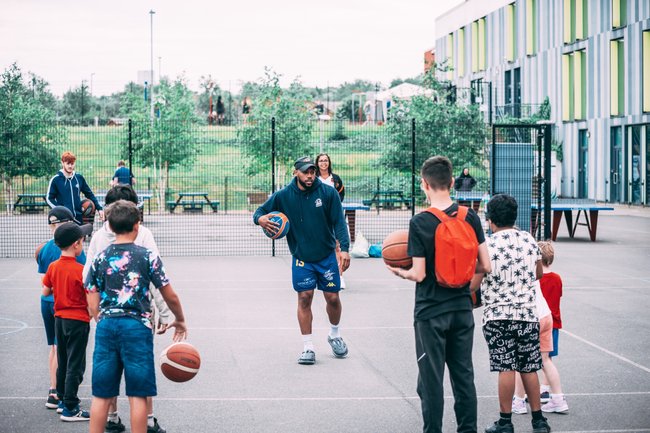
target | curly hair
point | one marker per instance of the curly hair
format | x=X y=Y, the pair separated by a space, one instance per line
x=501 y=210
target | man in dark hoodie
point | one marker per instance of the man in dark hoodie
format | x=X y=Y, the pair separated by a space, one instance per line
x=65 y=189
x=316 y=222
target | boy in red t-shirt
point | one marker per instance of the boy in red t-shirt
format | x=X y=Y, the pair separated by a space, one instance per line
x=71 y=317
x=551 y=285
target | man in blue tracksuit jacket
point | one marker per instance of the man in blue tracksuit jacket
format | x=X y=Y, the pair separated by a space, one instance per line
x=65 y=189
x=316 y=222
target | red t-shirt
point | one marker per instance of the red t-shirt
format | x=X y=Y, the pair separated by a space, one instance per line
x=65 y=279
x=551 y=285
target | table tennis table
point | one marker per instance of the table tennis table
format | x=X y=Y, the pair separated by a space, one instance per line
x=589 y=212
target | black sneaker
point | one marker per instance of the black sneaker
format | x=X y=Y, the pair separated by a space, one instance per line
x=541 y=426
x=156 y=427
x=498 y=428
x=544 y=397
x=115 y=427
x=52 y=400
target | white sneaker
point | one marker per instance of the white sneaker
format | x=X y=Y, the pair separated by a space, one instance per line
x=557 y=405
x=519 y=406
x=343 y=285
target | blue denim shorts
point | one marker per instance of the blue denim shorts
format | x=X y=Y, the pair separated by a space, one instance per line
x=123 y=344
x=323 y=274
x=47 y=311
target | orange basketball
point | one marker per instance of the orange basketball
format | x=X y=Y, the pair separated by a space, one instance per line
x=38 y=250
x=393 y=250
x=180 y=362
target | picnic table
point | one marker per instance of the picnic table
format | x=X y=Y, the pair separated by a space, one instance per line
x=388 y=199
x=31 y=203
x=143 y=196
x=469 y=199
x=350 y=210
x=589 y=212
x=193 y=202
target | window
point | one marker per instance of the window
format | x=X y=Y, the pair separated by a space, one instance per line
x=461 y=52
x=574 y=86
x=511 y=42
x=478 y=45
x=646 y=73
x=531 y=27
x=575 y=20
x=619 y=13
x=617 y=77
x=567 y=87
x=450 y=56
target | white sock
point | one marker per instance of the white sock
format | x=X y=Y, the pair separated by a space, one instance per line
x=557 y=397
x=517 y=398
x=334 y=331
x=307 y=342
x=150 y=420
x=544 y=388
x=112 y=416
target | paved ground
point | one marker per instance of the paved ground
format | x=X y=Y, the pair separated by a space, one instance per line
x=241 y=314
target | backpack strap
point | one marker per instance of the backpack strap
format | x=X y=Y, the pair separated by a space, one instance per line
x=460 y=214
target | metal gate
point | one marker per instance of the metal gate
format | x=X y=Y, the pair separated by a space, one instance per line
x=520 y=165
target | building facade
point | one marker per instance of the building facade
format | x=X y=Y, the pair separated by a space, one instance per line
x=590 y=58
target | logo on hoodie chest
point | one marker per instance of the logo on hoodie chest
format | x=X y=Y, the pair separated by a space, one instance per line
x=318 y=202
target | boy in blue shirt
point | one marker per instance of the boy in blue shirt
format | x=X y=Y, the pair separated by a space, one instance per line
x=118 y=298
x=49 y=253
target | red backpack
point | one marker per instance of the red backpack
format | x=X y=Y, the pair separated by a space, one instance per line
x=456 y=239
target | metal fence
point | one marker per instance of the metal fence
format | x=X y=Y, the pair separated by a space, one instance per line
x=234 y=168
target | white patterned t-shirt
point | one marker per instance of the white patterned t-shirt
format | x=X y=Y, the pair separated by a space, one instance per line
x=508 y=292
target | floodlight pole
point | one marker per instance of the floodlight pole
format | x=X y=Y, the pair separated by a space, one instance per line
x=151 y=14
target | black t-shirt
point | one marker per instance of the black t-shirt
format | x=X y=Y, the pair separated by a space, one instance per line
x=431 y=299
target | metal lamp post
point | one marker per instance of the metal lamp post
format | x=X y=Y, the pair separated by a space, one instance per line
x=151 y=14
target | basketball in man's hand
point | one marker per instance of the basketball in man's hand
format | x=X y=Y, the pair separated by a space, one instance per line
x=283 y=223
x=393 y=250
x=180 y=362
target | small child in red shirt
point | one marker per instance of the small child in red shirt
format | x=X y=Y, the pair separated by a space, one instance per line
x=551 y=285
x=71 y=317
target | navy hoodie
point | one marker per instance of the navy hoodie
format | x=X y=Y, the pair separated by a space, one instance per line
x=316 y=219
x=64 y=191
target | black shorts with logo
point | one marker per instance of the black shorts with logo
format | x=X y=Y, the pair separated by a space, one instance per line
x=513 y=345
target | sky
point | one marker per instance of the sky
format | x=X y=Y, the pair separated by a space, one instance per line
x=320 y=43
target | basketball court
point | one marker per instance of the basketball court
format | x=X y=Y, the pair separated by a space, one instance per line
x=241 y=317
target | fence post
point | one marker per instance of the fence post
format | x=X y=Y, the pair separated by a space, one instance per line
x=131 y=152
x=272 y=172
x=490 y=102
x=225 y=195
x=412 y=167
x=547 y=183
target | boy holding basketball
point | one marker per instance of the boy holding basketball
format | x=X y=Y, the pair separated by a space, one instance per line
x=118 y=295
x=316 y=217
x=444 y=324
x=47 y=254
x=161 y=318
x=63 y=279
x=65 y=188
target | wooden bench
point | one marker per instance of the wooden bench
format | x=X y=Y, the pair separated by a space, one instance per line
x=31 y=203
x=256 y=198
x=388 y=200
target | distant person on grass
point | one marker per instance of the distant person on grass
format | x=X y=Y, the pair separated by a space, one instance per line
x=161 y=317
x=63 y=279
x=316 y=223
x=122 y=175
x=118 y=297
x=48 y=254
x=444 y=323
x=510 y=322
x=66 y=187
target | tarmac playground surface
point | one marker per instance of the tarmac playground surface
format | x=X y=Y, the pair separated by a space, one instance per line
x=241 y=313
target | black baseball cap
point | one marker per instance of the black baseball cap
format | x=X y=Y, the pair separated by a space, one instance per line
x=303 y=164
x=70 y=232
x=59 y=214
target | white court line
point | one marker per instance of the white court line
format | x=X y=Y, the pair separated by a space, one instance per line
x=383 y=398
x=609 y=352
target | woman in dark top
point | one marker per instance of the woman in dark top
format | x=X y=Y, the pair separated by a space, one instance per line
x=464 y=182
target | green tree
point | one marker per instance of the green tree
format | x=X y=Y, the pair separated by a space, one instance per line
x=78 y=105
x=168 y=140
x=443 y=127
x=28 y=138
x=347 y=89
x=345 y=110
x=294 y=124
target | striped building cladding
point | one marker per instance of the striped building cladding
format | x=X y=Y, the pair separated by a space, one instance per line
x=591 y=58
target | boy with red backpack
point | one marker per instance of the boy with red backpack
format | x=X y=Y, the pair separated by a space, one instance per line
x=445 y=242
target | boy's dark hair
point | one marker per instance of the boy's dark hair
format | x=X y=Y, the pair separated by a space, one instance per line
x=502 y=210
x=437 y=172
x=122 y=216
x=121 y=192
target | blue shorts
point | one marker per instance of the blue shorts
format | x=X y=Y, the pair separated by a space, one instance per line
x=123 y=344
x=47 y=311
x=323 y=275
x=556 y=337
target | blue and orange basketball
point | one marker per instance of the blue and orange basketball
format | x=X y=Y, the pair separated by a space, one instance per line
x=283 y=222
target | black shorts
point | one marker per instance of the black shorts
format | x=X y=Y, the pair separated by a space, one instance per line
x=513 y=345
